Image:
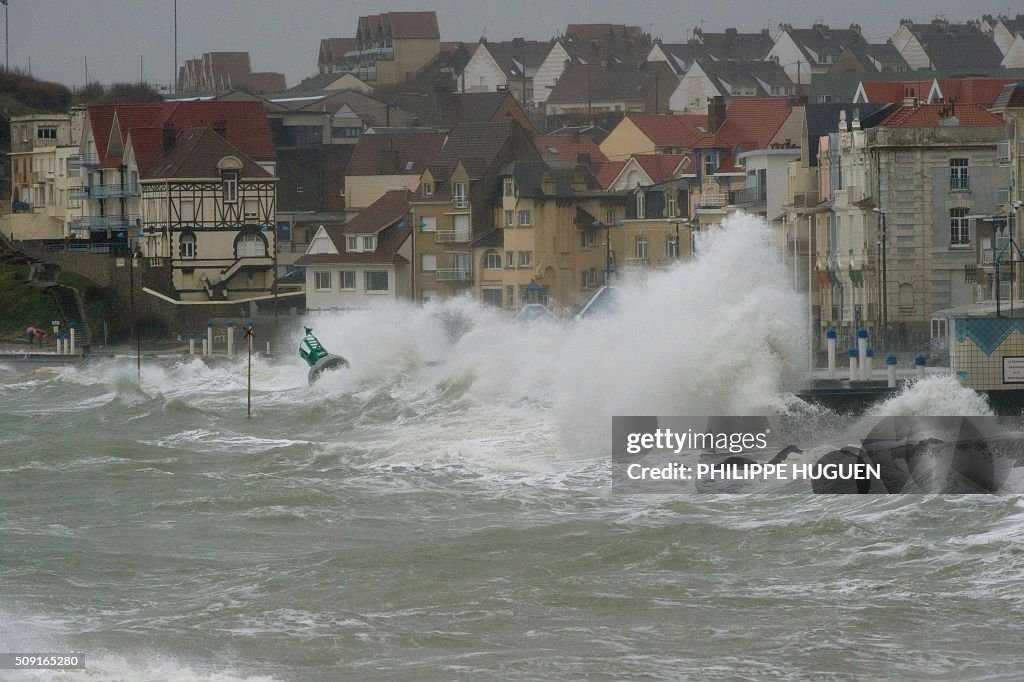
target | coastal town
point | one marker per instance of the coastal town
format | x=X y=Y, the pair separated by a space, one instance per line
x=411 y=166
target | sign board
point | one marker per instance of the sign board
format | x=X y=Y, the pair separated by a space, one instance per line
x=1013 y=370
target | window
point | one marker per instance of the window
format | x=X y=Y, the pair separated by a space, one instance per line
x=322 y=280
x=229 y=186
x=351 y=243
x=525 y=259
x=588 y=238
x=251 y=210
x=640 y=205
x=710 y=164
x=641 y=247
x=609 y=216
x=959 y=229
x=188 y=246
x=428 y=224
x=428 y=189
x=673 y=205
x=460 y=198
x=510 y=187
x=959 y=174
x=906 y=297
x=493 y=261
x=510 y=259
x=510 y=296
x=376 y=280
x=251 y=245
x=46 y=133
x=492 y=297
x=588 y=278
x=187 y=211
x=347 y=280
x=510 y=218
x=428 y=262
x=428 y=296
x=672 y=247
x=525 y=219
x=369 y=242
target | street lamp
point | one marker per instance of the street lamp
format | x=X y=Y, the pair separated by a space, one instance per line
x=885 y=293
x=608 y=248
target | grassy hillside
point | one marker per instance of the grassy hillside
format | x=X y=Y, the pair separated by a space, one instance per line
x=22 y=305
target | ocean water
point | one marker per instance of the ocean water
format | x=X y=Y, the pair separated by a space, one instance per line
x=443 y=510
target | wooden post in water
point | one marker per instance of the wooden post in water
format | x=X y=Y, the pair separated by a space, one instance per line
x=248 y=338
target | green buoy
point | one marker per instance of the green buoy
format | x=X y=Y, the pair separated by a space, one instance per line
x=317 y=357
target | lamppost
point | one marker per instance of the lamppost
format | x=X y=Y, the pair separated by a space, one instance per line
x=608 y=248
x=273 y=279
x=885 y=276
x=7 y=38
x=689 y=225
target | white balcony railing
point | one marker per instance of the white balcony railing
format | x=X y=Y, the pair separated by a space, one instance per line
x=451 y=236
x=454 y=275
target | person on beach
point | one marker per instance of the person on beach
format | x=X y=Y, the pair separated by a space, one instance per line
x=30 y=332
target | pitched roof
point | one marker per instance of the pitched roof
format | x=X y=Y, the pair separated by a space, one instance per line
x=476 y=145
x=415 y=152
x=196 y=153
x=890 y=91
x=472 y=107
x=401 y=24
x=820 y=40
x=613 y=82
x=567 y=148
x=660 y=167
x=929 y=116
x=982 y=91
x=681 y=130
x=510 y=55
x=244 y=123
x=608 y=171
x=949 y=51
x=749 y=124
x=732 y=44
x=382 y=218
x=682 y=55
x=753 y=75
x=1011 y=96
x=332 y=50
x=588 y=32
x=529 y=177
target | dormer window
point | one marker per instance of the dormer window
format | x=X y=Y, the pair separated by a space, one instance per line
x=510 y=187
x=229 y=187
x=428 y=189
x=460 y=196
x=351 y=243
x=369 y=242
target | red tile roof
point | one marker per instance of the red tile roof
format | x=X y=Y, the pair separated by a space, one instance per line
x=567 y=148
x=659 y=167
x=671 y=131
x=749 y=124
x=881 y=92
x=607 y=171
x=974 y=90
x=196 y=153
x=928 y=116
x=244 y=124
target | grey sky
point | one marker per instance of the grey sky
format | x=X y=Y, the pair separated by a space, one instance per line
x=283 y=35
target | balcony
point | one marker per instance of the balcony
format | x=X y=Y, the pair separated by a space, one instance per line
x=452 y=237
x=712 y=200
x=103 y=222
x=117 y=191
x=87 y=160
x=1003 y=151
x=637 y=262
x=41 y=176
x=459 y=201
x=749 y=196
x=454 y=275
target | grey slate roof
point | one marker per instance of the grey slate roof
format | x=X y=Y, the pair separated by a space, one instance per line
x=823 y=119
x=529 y=177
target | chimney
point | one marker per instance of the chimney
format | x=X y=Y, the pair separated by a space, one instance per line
x=583 y=157
x=389 y=162
x=578 y=181
x=168 y=137
x=843 y=128
x=716 y=114
x=221 y=128
x=730 y=33
x=856 y=119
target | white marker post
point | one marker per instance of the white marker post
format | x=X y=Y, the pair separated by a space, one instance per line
x=71 y=340
x=191 y=343
x=862 y=351
x=209 y=338
x=830 y=335
x=890 y=364
x=853 y=364
x=919 y=366
x=231 y=339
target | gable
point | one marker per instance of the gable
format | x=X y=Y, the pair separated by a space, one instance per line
x=321 y=244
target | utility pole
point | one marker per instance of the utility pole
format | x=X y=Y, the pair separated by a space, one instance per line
x=175 y=46
x=7 y=38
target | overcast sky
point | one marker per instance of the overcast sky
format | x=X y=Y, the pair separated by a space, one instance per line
x=284 y=35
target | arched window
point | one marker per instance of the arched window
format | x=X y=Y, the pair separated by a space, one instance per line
x=187 y=245
x=633 y=179
x=250 y=245
x=906 y=297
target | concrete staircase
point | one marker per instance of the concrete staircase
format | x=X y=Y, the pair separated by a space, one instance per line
x=69 y=300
